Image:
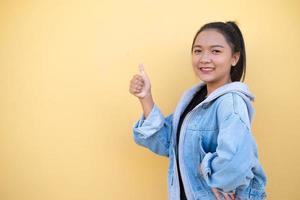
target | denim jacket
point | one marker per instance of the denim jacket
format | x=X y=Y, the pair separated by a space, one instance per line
x=216 y=147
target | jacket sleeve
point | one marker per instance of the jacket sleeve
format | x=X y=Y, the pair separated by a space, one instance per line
x=231 y=165
x=154 y=132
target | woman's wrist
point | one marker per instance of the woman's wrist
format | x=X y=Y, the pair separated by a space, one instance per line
x=147 y=104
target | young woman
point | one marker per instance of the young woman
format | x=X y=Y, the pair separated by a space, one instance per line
x=208 y=139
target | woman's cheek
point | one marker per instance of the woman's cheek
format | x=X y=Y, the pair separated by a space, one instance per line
x=195 y=61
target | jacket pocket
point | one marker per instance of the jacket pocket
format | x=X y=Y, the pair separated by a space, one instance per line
x=171 y=189
x=257 y=194
x=170 y=178
x=200 y=195
x=194 y=150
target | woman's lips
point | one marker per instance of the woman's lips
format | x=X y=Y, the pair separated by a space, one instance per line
x=206 y=69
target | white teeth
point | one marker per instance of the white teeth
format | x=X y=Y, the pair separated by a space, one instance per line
x=206 y=69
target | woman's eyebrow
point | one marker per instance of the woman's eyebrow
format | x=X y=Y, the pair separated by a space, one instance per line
x=217 y=45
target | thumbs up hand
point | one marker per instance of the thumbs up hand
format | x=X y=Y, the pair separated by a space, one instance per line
x=140 y=85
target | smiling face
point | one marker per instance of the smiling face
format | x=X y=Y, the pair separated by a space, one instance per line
x=212 y=58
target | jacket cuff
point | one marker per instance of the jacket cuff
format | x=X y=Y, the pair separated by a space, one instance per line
x=206 y=170
x=205 y=166
x=150 y=125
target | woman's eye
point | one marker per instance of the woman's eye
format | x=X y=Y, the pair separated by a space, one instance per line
x=216 y=51
x=197 y=51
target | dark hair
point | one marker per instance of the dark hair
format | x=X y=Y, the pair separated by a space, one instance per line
x=234 y=38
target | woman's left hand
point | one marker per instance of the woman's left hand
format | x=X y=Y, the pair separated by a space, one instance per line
x=225 y=195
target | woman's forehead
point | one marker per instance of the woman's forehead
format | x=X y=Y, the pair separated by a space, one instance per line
x=210 y=38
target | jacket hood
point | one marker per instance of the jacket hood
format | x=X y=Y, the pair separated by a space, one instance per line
x=236 y=87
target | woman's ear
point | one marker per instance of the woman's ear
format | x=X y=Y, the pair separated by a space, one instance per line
x=235 y=58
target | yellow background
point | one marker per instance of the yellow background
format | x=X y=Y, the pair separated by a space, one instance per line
x=66 y=113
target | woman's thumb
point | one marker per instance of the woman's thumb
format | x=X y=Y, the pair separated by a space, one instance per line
x=143 y=72
x=142 y=69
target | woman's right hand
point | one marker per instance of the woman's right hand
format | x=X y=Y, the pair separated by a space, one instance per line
x=222 y=195
x=140 y=85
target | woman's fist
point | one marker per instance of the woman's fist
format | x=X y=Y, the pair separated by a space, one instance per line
x=140 y=84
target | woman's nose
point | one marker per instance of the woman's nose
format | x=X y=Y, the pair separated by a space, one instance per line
x=205 y=58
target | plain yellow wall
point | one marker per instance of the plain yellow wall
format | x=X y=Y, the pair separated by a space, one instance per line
x=66 y=113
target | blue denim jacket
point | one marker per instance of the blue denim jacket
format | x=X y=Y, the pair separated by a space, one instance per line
x=216 y=147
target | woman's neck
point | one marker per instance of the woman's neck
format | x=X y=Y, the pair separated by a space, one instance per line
x=213 y=86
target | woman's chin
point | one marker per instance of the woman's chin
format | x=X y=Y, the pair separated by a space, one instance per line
x=205 y=79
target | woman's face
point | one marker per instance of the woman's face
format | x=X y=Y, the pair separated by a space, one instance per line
x=212 y=57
